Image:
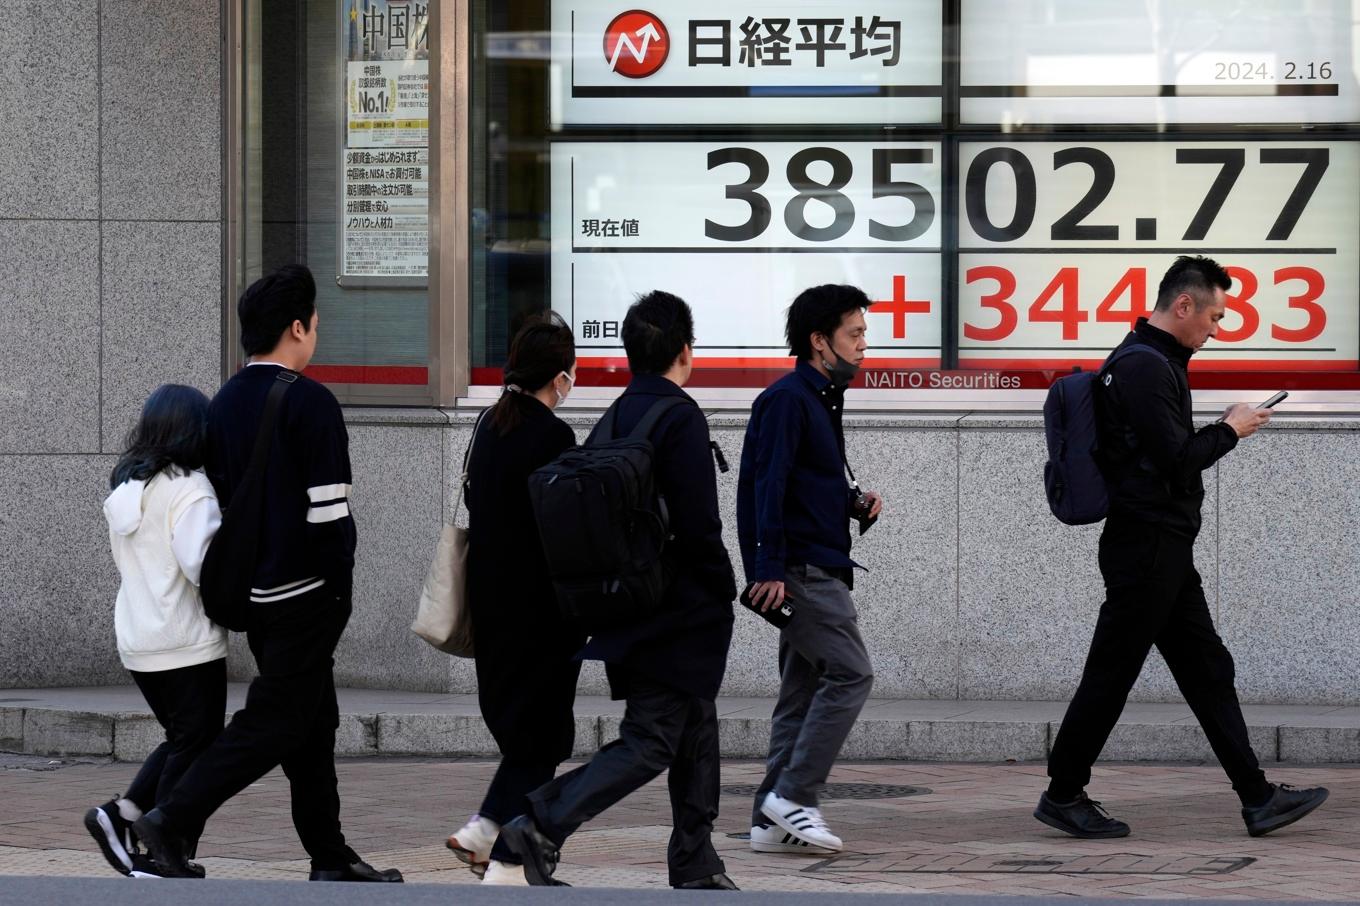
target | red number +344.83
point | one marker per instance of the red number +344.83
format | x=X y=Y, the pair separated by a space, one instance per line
x=1059 y=302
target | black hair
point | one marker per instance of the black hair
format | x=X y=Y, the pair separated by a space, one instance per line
x=271 y=304
x=657 y=327
x=541 y=350
x=172 y=431
x=1197 y=276
x=819 y=309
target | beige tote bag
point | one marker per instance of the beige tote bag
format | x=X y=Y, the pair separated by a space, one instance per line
x=443 y=618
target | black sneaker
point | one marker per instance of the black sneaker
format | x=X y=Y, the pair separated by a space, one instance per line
x=143 y=866
x=114 y=835
x=535 y=850
x=1286 y=805
x=168 y=848
x=1082 y=817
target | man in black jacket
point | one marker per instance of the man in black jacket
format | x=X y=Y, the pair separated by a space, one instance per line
x=1152 y=458
x=300 y=591
x=668 y=668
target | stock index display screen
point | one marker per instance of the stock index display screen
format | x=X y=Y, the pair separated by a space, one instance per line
x=1010 y=216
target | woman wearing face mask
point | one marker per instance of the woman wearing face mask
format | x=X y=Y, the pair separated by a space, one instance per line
x=526 y=672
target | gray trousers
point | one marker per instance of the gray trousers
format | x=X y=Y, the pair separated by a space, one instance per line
x=825 y=680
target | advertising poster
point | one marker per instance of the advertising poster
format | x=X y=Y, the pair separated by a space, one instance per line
x=385 y=159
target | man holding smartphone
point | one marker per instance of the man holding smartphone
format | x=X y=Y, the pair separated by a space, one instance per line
x=794 y=506
x=1152 y=459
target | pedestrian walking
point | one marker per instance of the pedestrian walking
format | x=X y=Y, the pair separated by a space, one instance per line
x=300 y=598
x=162 y=514
x=667 y=667
x=525 y=649
x=795 y=505
x=1152 y=458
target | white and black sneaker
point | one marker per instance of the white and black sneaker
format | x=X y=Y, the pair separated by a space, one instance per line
x=472 y=843
x=802 y=821
x=766 y=838
x=114 y=835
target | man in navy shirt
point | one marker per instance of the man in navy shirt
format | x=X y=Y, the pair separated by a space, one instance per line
x=794 y=507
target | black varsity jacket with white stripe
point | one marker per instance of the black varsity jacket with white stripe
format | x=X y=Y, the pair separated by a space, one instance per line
x=307 y=537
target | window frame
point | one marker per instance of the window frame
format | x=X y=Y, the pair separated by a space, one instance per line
x=448 y=290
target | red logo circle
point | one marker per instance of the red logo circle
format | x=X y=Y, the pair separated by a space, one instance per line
x=636 y=44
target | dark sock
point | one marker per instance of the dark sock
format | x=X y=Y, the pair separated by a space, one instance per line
x=1061 y=794
x=1257 y=796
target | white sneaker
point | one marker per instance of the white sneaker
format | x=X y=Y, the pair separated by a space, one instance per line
x=766 y=838
x=502 y=874
x=802 y=821
x=472 y=842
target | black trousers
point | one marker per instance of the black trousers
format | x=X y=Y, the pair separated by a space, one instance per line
x=662 y=728
x=526 y=687
x=1154 y=596
x=525 y=765
x=289 y=721
x=190 y=703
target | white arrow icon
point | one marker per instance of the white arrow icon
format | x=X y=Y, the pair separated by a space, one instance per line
x=647 y=33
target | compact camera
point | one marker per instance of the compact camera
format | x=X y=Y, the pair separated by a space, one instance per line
x=859 y=510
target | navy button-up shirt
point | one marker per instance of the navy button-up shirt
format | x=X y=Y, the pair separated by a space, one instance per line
x=793 y=498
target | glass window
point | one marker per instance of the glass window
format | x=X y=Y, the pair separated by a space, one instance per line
x=1006 y=181
x=335 y=174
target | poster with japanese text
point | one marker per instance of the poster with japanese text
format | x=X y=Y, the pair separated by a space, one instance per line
x=385 y=159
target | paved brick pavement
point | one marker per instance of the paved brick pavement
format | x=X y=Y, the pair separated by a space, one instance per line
x=970 y=833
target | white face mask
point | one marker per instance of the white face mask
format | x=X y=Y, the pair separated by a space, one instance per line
x=562 y=397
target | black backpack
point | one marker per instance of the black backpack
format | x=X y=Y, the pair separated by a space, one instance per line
x=603 y=524
x=1073 y=481
x=229 y=565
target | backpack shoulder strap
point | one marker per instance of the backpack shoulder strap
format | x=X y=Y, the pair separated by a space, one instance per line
x=606 y=429
x=265 y=433
x=1130 y=350
x=472 y=440
x=658 y=409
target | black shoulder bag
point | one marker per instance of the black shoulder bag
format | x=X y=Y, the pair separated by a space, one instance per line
x=229 y=566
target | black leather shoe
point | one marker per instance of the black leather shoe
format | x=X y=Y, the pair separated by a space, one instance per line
x=1286 y=805
x=168 y=848
x=357 y=871
x=719 y=881
x=534 y=849
x=1082 y=817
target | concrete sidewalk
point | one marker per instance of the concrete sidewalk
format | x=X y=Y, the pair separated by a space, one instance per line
x=115 y=721
x=909 y=829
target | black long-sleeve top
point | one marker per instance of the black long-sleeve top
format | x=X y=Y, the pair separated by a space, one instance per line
x=1151 y=454
x=307 y=538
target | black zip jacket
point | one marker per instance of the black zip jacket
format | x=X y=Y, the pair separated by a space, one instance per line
x=1150 y=453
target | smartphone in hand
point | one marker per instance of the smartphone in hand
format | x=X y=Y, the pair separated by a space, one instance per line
x=1274 y=400
x=1271 y=403
x=775 y=616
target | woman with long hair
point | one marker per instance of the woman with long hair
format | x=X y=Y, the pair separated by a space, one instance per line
x=162 y=513
x=525 y=650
